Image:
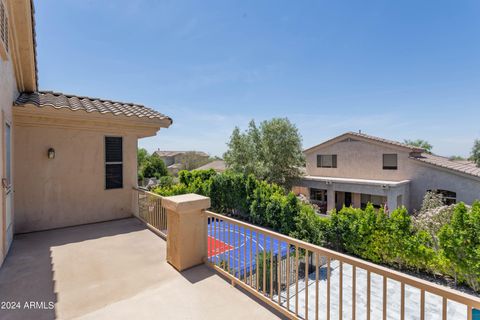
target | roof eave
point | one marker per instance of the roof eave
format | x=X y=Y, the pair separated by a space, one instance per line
x=23 y=48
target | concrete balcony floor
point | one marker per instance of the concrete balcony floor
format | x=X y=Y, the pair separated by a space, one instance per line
x=113 y=270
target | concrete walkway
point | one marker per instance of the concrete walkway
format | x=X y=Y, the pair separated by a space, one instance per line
x=112 y=270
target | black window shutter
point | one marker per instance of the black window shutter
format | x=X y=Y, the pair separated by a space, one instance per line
x=113 y=163
x=113 y=176
x=113 y=149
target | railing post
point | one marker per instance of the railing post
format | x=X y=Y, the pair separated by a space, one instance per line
x=187 y=230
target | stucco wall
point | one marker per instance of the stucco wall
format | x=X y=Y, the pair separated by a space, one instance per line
x=358 y=160
x=8 y=93
x=68 y=190
x=425 y=178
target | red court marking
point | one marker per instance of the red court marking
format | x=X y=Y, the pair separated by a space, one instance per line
x=216 y=247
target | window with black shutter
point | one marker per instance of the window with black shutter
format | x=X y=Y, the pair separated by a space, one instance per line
x=326 y=161
x=113 y=162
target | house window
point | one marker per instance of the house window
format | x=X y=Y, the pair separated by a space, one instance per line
x=318 y=194
x=448 y=197
x=390 y=161
x=326 y=161
x=113 y=162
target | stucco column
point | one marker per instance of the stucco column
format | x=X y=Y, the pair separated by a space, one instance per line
x=391 y=201
x=356 y=200
x=330 y=198
x=187 y=230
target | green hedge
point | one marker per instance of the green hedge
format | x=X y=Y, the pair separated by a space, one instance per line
x=370 y=234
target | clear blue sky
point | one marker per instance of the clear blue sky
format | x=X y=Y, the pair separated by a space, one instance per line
x=396 y=69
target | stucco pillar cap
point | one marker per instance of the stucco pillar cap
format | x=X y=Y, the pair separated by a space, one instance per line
x=186 y=202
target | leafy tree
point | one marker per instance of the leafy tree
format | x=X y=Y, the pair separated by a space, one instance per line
x=460 y=241
x=272 y=152
x=421 y=144
x=242 y=155
x=457 y=158
x=154 y=167
x=142 y=158
x=476 y=152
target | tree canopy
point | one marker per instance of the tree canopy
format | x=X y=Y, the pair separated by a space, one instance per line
x=150 y=166
x=421 y=144
x=272 y=151
x=476 y=152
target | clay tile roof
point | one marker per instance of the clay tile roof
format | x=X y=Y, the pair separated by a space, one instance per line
x=65 y=101
x=392 y=142
x=466 y=167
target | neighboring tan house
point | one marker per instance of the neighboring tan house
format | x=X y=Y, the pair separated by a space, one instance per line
x=179 y=160
x=217 y=165
x=355 y=169
x=66 y=160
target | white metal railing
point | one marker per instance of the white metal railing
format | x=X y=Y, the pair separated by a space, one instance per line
x=151 y=211
x=305 y=281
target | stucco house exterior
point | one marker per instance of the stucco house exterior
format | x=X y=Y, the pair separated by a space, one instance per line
x=66 y=160
x=179 y=160
x=355 y=169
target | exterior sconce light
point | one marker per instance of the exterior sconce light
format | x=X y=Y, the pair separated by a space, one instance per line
x=51 y=153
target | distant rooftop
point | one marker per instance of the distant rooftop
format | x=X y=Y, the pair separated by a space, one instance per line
x=167 y=153
x=217 y=165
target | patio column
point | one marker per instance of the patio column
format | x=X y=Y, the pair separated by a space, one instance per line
x=391 y=201
x=330 y=198
x=187 y=230
x=356 y=200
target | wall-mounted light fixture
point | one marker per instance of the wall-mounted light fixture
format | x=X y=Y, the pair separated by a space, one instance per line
x=51 y=153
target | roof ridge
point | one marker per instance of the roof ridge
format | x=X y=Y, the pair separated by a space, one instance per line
x=367 y=136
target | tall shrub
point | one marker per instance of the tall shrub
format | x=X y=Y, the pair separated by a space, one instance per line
x=460 y=242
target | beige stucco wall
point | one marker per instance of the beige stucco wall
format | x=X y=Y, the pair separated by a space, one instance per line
x=358 y=160
x=68 y=190
x=425 y=177
x=364 y=160
x=8 y=93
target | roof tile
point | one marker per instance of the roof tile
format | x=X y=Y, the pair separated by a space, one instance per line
x=59 y=101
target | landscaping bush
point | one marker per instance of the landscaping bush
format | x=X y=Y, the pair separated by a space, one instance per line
x=460 y=242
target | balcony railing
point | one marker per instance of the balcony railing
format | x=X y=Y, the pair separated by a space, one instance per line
x=151 y=211
x=302 y=280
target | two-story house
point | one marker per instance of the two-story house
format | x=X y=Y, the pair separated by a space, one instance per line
x=354 y=169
